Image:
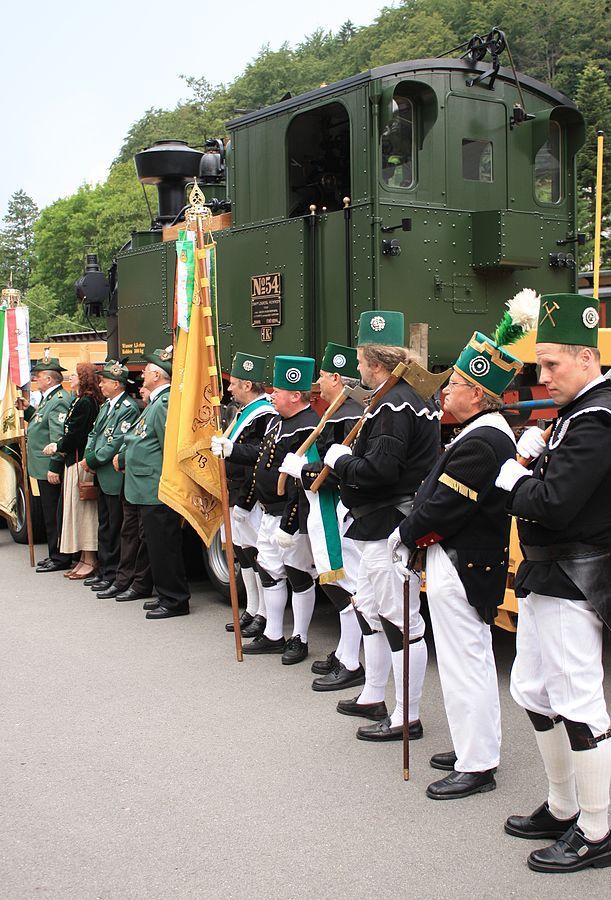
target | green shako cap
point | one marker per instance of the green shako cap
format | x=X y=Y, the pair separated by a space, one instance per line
x=340 y=359
x=293 y=373
x=161 y=358
x=48 y=364
x=568 y=319
x=381 y=326
x=115 y=371
x=248 y=367
x=484 y=363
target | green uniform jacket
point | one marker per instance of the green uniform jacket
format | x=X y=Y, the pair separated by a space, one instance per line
x=141 y=455
x=45 y=425
x=105 y=441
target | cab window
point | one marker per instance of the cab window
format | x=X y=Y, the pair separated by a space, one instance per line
x=547 y=167
x=477 y=160
x=398 y=143
x=318 y=145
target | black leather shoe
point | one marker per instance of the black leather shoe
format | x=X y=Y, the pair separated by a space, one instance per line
x=444 y=761
x=161 y=612
x=373 y=711
x=384 y=731
x=572 y=852
x=256 y=627
x=461 y=784
x=245 y=619
x=41 y=562
x=108 y=593
x=52 y=566
x=324 y=666
x=102 y=585
x=92 y=580
x=263 y=644
x=339 y=678
x=540 y=824
x=130 y=594
x=295 y=651
x=151 y=604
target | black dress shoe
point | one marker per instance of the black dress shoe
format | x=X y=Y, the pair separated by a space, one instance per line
x=130 y=594
x=572 y=852
x=245 y=619
x=461 y=784
x=52 y=566
x=384 y=731
x=108 y=593
x=295 y=651
x=373 y=711
x=540 y=824
x=102 y=585
x=339 y=678
x=150 y=604
x=92 y=580
x=324 y=666
x=444 y=761
x=256 y=627
x=47 y=559
x=263 y=644
x=161 y=612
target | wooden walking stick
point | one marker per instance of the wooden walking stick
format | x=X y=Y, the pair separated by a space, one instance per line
x=406 y=680
x=197 y=200
x=26 y=483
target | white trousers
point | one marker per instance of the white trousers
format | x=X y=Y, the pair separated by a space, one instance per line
x=467 y=670
x=244 y=533
x=274 y=558
x=558 y=669
x=379 y=590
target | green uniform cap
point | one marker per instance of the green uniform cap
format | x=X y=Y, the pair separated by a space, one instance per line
x=115 y=371
x=568 y=319
x=380 y=326
x=248 y=367
x=48 y=364
x=161 y=358
x=484 y=363
x=340 y=359
x=293 y=373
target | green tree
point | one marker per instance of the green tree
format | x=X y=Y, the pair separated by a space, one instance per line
x=593 y=98
x=45 y=318
x=17 y=240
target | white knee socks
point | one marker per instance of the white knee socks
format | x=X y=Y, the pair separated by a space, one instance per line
x=418 y=656
x=261 y=589
x=275 y=603
x=592 y=774
x=249 y=577
x=350 y=641
x=303 y=610
x=555 y=750
x=377 y=667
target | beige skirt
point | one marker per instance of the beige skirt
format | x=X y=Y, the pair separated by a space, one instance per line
x=80 y=519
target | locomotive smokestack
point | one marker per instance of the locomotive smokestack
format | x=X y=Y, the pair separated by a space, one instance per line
x=170 y=165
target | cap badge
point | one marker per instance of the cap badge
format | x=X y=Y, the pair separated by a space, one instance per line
x=248 y=365
x=116 y=369
x=378 y=323
x=590 y=317
x=479 y=366
x=339 y=360
x=293 y=376
x=549 y=309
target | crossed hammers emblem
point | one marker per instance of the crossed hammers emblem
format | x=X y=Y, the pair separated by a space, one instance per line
x=549 y=309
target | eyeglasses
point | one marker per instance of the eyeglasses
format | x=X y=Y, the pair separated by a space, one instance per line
x=452 y=384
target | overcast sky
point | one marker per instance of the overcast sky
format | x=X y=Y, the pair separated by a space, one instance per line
x=76 y=75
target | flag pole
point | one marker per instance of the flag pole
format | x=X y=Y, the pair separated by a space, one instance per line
x=199 y=212
x=26 y=483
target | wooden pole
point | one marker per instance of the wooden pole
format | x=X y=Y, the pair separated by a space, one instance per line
x=26 y=483
x=406 y=680
x=419 y=341
x=598 y=215
x=203 y=286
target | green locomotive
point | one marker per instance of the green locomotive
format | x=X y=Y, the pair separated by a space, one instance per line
x=438 y=187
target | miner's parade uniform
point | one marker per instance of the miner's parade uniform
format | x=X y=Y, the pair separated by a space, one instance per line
x=336 y=556
x=284 y=550
x=563 y=508
x=459 y=520
x=113 y=421
x=246 y=432
x=45 y=426
x=395 y=449
x=141 y=456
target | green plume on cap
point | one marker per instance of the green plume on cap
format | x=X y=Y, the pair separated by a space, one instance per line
x=520 y=318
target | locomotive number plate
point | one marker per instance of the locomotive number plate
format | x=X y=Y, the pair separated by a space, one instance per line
x=266 y=300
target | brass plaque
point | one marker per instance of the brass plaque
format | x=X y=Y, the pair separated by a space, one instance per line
x=267 y=333
x=266 y=301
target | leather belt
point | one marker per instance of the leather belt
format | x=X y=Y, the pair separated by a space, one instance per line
x=562 y=551
x=403 y=504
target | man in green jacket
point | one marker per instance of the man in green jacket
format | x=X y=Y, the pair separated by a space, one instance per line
x=141 y=457
x=114 y=420
x=46 y=425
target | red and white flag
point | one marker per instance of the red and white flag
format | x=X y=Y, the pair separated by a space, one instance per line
x=18 y=328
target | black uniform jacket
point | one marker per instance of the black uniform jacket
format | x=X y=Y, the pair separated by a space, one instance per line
x=281 y=437
x=336 y=428
x=239 y=474
x=79 y=422
x=459 y=507
x=396 y=448
x=568 y=500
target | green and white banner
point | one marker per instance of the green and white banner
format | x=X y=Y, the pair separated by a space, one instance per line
x=323 y=530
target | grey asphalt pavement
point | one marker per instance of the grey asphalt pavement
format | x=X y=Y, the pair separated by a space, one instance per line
x=139 y=760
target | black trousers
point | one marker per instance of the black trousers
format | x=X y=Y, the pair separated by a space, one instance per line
x=110 y=519
x=50 y=501
x=134 y=570
x=163 y=536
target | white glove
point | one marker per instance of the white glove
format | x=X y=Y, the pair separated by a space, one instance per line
x=531 y=445
x=284 y=539
x=399 y=554
x=511 y=472
x=221 y=447
x=334 y=452
x=239 y=514
x=292 y=465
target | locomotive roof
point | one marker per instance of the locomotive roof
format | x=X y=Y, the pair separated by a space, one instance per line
x=414 y=65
